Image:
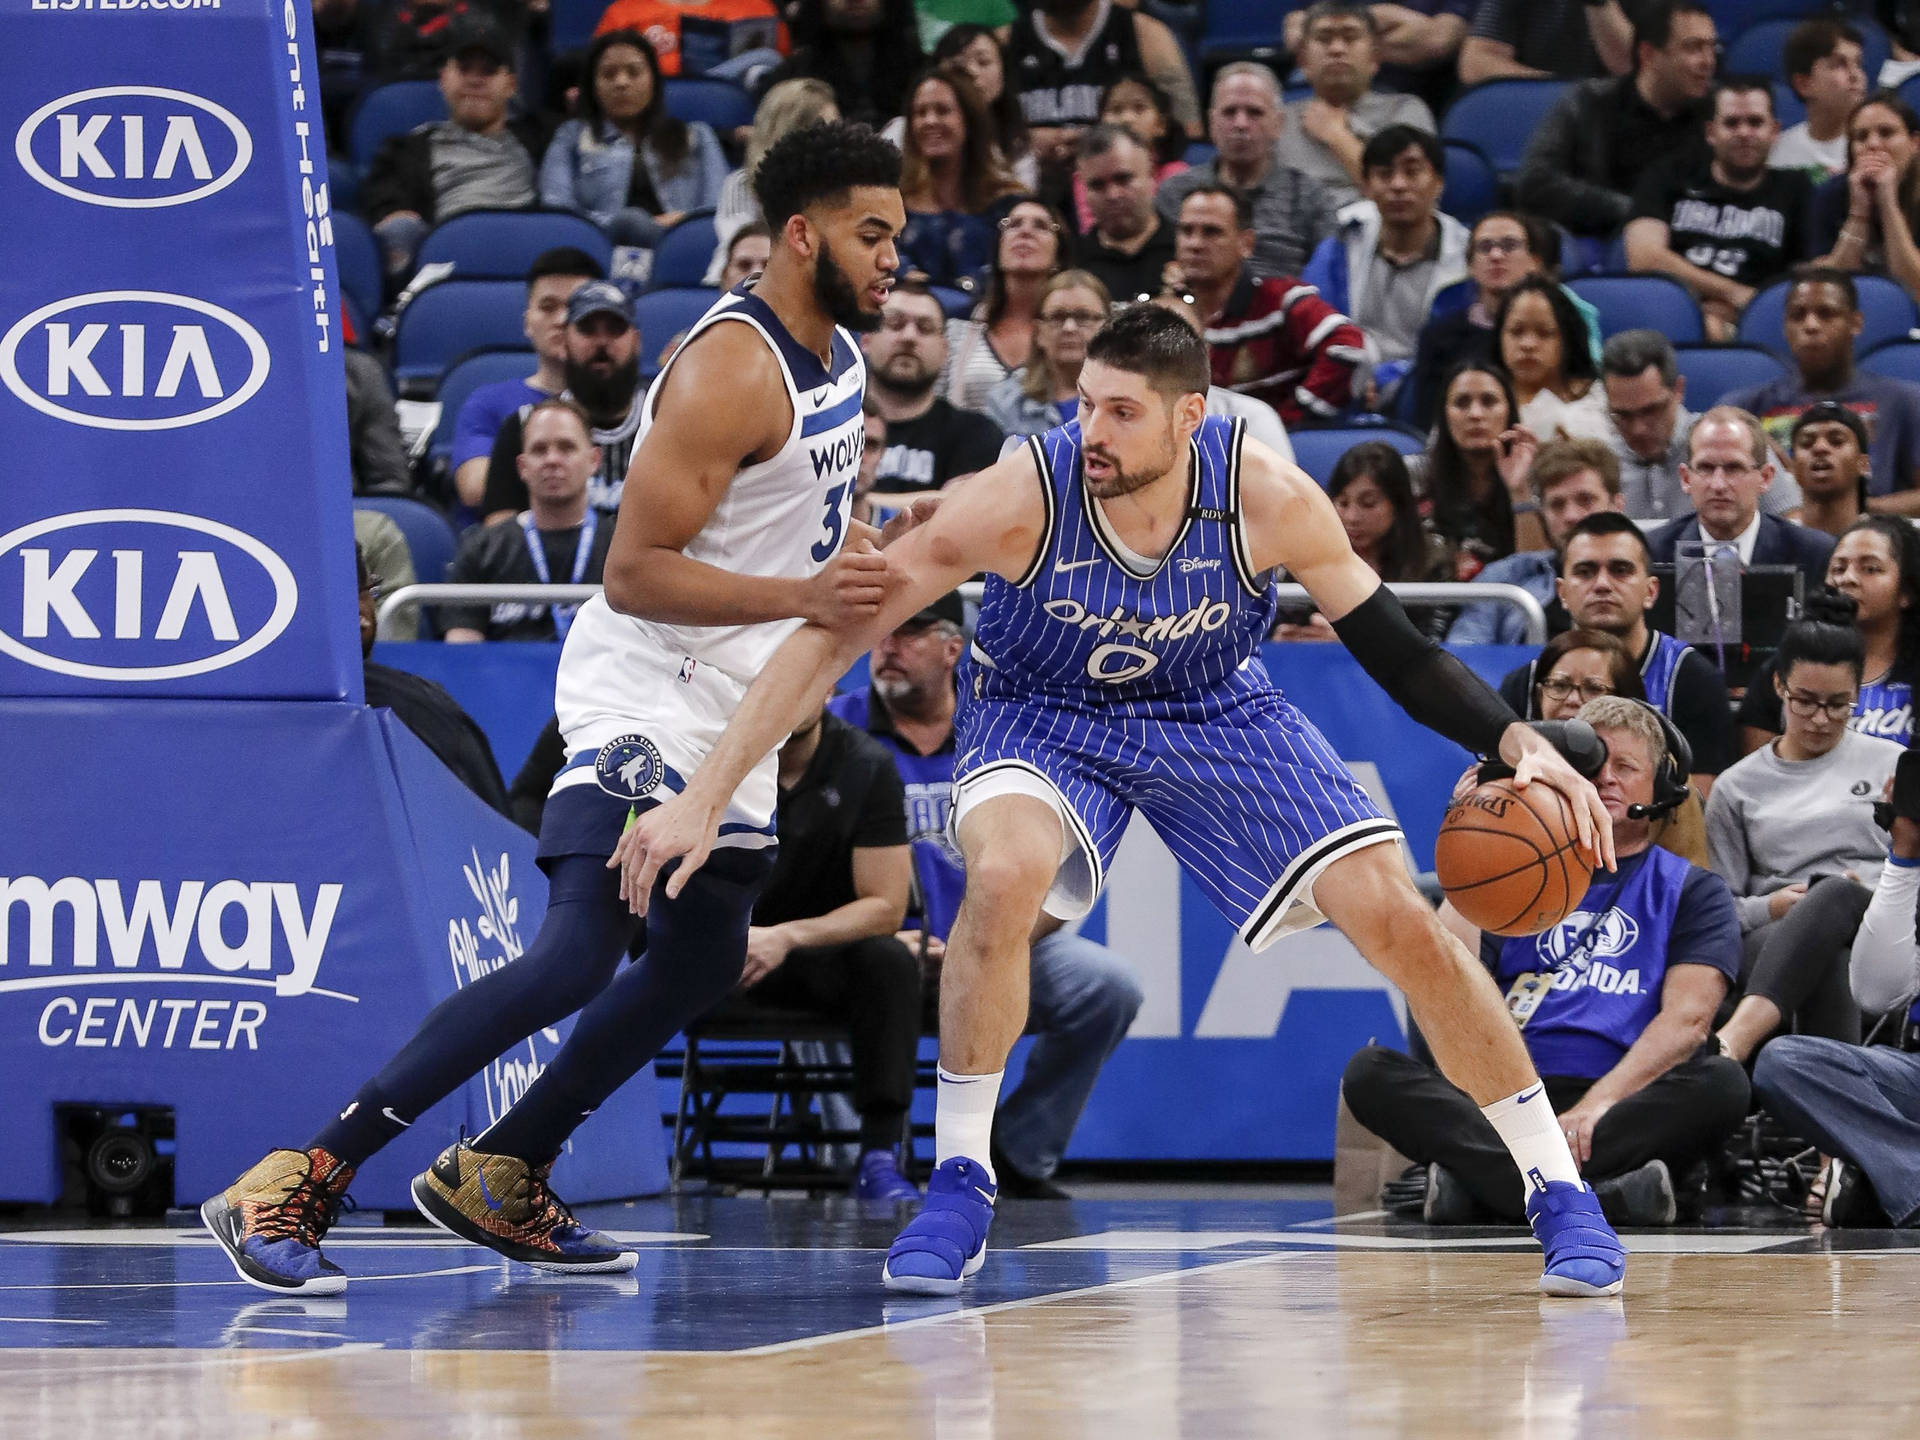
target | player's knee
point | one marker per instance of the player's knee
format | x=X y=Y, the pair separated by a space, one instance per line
x=1005 y=883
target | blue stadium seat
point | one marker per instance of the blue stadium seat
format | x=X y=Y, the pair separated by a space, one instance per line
x=1714 y=371
x=488 y=367
x=1898 y=361
x=684 y=252
x=1909 y=89
x=1636 y=302
x=357 y=254
x=663 y=315
x=391 y=110
x=1318 y=451
x=1499 y=118
x=1788 y=108
x=1472 y=189
x=1199 y=152
x=430 y=538
x=1886 y=309
x=570 y=24
x=452 y=319
x=1756 y=49
x=501 y=244
x=721 y=103
x=1243 y=27
x=958 y=304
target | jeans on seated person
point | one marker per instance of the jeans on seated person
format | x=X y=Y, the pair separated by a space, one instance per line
x=1861 y=1103
x=1679 y=1118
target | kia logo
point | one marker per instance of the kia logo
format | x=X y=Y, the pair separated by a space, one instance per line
x=133 y=147
x=139 y=595
x=133 y=360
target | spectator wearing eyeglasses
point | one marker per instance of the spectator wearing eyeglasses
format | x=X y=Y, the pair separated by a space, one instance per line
x=1045 y=392
x=1503 y=248
x=1728 y=468
x=984 y=349
x=1791 y=831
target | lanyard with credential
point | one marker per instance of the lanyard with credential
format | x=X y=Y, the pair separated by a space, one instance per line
x=537 y=553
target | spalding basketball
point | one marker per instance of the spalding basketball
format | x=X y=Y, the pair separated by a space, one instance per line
x=1510 y=860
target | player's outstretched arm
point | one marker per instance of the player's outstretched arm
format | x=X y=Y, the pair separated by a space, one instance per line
x=1290 y=522
x=724 y=405
x=992 y=523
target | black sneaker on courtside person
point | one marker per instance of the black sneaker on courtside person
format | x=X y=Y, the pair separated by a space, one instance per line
x=503 y=1203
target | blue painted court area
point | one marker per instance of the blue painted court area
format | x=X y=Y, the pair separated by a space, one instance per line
x=722 y=1275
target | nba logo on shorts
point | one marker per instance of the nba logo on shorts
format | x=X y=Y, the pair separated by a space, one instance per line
x=628 y=768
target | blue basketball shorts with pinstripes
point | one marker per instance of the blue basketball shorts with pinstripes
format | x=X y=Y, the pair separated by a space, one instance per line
x=1247 y=794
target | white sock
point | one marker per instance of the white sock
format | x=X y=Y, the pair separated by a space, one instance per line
x=1532 y=1135
x=963 y=1118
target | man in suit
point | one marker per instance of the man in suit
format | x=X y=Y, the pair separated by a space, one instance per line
x=1728 y=467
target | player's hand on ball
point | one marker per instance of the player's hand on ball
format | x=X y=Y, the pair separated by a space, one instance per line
x=851 y=587
x=683 y=829
x=1535 y=761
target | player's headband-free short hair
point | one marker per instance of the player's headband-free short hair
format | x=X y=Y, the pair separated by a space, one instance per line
x=822 y=163
x=1151 y=340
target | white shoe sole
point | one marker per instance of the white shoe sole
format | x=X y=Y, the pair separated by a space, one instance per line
x=933 y=1284
x=620 y=1264
x=322 y=1285
x=1566 y=1288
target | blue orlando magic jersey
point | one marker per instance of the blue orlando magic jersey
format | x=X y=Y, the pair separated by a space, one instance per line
x=1090 y=624
x=1658 y=670
x=1885 y=709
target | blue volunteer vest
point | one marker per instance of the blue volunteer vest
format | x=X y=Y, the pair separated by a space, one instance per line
x=1607 y=960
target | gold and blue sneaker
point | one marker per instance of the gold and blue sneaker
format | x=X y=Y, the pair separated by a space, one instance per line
x=503 y=1203
x=271 y=1221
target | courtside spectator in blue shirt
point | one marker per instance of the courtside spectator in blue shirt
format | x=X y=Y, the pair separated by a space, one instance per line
x=551 y=281
x=1614 y=1004
x=1083 y=997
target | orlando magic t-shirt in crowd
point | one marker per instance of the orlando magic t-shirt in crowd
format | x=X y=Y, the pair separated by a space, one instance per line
x=1747 y=236
x=1885 y=707
x=945 y=443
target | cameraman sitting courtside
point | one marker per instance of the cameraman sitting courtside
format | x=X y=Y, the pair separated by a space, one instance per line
x=1083 y=995
x=1615 y=1004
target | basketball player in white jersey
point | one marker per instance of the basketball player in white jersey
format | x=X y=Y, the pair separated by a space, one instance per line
x=733 y=530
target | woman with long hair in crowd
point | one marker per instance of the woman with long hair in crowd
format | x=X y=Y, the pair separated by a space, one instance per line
x=976 y=50
x=791 y=105
x=1547 y=351
x=625 y=163
x=1370 y=490
x=983 y=350
x=1046 y=390
x=1875 y=572
x=1473 y=476
x=953 y=181
x=1866 y=219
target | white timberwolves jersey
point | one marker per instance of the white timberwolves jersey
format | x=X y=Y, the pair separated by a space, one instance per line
x=784 y=517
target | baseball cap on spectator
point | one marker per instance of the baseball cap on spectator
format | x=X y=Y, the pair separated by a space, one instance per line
x=949 y=607
x=476 y=32
x=1829 y=412
x=598 y=297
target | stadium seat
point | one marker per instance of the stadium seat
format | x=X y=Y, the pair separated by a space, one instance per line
x=1714 y=371
x=663 y=316
x=958 y=304
x=447 y=321
x=1756 y=49
x=501 y=244
x=1636 y=302
x=684 y=252
x=720 y=103
x=1909 y=89
x=357 y=254
x=1499 y=118
x=1898 y=361
x=1788 y=108
x=1887 y=311
x=1472 y=189
x=570 y=24
x=391 y=110
x=1318 y=451
x=1199 y=152
x=430 y=538
x=1243 y=28
x=488 y=367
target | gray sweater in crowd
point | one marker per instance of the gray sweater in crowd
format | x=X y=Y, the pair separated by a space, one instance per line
x=1773 y=822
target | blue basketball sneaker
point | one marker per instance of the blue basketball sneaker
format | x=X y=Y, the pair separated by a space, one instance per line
x=878 y=1180
x=947 y=1240
x=1584 y=1256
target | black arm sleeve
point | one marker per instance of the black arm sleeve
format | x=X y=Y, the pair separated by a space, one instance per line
x=1432 y=686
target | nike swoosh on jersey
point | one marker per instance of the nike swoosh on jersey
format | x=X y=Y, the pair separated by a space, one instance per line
x=1060 y=567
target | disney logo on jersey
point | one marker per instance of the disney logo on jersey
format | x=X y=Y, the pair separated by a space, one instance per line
x=1187 y=564
x=1119 y=661
x=1584 y=937
x=629 y=768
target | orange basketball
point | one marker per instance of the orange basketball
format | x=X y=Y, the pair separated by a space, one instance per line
x=1509 y=859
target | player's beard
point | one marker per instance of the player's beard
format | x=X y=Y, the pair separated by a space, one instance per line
x=838 y=298
x=1124 y=481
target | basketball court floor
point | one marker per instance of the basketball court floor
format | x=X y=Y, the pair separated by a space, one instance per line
x=1115 y=1317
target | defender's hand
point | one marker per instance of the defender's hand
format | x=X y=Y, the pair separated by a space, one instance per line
x=683 y=828
x=1535 y=761
x=851 y=587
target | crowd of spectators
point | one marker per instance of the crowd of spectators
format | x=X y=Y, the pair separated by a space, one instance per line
x=1068 y=157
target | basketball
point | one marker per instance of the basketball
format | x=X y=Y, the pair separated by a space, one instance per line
x=1510 y=860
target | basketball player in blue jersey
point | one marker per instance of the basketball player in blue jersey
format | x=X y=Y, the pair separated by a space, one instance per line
x=730 y=533
x=1116 y=668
